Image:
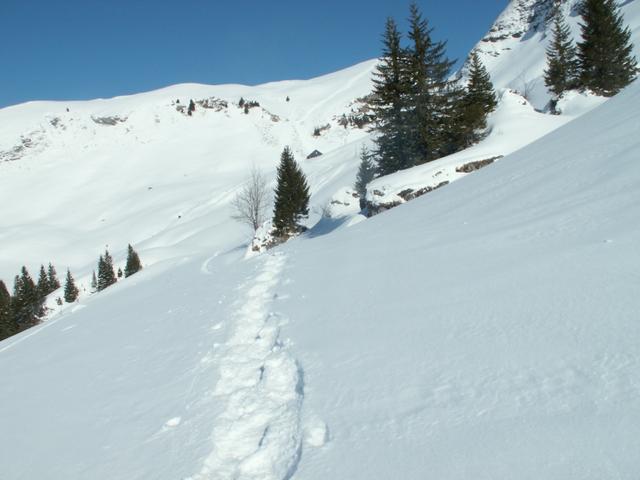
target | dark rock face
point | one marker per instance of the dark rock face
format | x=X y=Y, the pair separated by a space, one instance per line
x=314 y=154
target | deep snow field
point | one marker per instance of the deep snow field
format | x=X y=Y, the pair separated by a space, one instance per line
x=487 y=330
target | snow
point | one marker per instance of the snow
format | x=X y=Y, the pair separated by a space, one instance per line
x=487 y=329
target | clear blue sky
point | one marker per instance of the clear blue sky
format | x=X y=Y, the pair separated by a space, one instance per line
x=80 y=49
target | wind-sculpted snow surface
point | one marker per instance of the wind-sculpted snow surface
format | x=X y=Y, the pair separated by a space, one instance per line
x=258 y=434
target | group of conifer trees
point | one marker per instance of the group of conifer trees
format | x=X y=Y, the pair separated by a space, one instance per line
x=26 y=306
x=421 y=114
x=602 y=61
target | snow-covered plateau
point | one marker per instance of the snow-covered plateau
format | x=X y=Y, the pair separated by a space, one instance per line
x=489 y=329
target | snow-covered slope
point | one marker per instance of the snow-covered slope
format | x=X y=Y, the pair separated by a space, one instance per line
x=487 y=330
x=134 y=169
x=514 y=48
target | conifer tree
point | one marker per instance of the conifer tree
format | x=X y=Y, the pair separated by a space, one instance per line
x=562 y=62
x=106 y=274
x=27 y=303
x=605 y=54
x=94 y=280
x=388 y=103
x=7 y=326
x=427 y=101
x=291 y=196
x=43 y=283
x=366 y=173
x=52 y=276
x=70 y=290
x=478 y=100
x=133 y=262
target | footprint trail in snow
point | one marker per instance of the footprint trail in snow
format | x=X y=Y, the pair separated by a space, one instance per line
x=258 y=435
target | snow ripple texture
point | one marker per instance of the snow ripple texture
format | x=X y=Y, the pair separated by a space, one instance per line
x=258 y=434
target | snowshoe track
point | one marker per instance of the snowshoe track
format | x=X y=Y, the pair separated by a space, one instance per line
x=258 y=435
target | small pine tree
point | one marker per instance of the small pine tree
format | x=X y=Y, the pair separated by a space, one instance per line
x=366 y=173
x=7 y=326
x=241 y=102
x=27 y=303
x=70 y=290
x=291 y=196
x=605 y=54
x=119 y=272
x=192 y=108
x=43 y=283
x=106 y=274
x=476 y=103
x=562 y=62
x=52 y=276
x=94 y=280
x=133 y=262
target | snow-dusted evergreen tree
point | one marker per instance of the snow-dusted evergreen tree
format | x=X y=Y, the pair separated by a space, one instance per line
x=429 y=116
x=94 y=280
x=561 y=73
x=26 y=303
x=478 y=100
x=106 y=274
x=7 y=325
x=605 y=54
x=133 y=262
x=52 y=277
x=366 y=173
x=43 y=283
x=388 y=103
x=70 y=290
x=291 y=196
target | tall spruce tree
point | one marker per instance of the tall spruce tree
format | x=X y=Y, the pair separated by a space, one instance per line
x=561 y=73
x=429 y=116
x=366 y=173
x=133 y=262
x=605 y=54
x=388 y=103
x=291 y=196
x=7 y=325
x=106 y=274
x=52 y=277
x=70 y=290
x=478 y=100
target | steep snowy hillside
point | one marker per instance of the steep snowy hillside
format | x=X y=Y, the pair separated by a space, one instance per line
x=514 y=48
x=488 y=330
x=82 y=175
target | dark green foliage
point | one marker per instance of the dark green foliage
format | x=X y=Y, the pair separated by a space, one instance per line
x=7 y=324
x=120 y=272
x=428 y=98
x=415 y=105
x=241 y=102
x=605 y=54
x=366 y=173
x=562 y=62
x=43 y=283
x=27 y=303
x=133 y=262
x=478 y=100
x=54 y=283
x=106 y=275
x=388 y=103
x=291 y=196
x=70 y=290
x=192 y=108
x=94 y=280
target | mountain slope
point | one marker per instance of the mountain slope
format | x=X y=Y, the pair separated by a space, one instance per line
x=488 y=328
